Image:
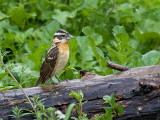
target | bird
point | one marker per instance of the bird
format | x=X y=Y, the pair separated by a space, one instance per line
x=56 y=58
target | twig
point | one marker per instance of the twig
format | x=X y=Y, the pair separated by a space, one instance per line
x=114 y=6
x=17 y=83
x=117 y=67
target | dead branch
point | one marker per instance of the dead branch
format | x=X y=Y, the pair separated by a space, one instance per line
x=117 y=67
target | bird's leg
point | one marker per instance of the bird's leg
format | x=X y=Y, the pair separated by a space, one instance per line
x=58 y=78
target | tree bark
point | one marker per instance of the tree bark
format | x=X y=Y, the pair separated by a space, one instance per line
x=137 y=89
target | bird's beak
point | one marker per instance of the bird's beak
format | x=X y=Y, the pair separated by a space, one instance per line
x=69 y=37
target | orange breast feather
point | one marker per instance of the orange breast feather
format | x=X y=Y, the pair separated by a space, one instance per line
x=62 y=59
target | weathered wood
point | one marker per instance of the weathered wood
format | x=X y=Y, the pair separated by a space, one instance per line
x=137 y=89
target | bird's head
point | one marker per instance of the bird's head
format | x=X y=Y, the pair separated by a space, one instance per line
x=62 y=36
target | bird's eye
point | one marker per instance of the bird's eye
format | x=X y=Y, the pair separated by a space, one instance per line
x=63 y=35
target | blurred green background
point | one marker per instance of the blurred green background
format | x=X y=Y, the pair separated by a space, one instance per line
x=126 y=32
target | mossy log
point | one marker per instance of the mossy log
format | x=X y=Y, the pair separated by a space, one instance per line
x=137 y=89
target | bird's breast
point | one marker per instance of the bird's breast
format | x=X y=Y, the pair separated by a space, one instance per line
x=62 y=58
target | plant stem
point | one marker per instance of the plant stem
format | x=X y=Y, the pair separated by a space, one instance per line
x=17 y=83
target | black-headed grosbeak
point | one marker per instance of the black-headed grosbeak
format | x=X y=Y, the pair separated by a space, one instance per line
x=56 y=58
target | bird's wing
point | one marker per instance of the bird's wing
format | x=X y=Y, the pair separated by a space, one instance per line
x=48 y=64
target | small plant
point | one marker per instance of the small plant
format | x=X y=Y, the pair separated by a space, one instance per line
x=119 y=48
x=40 y=110
x=42 y=113
x=79 y=96
x=18 y=113
x=115 y=108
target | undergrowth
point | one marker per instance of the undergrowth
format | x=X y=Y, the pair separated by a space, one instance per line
x=51 y=113
x=121 y=31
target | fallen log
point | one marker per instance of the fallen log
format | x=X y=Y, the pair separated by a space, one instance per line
x=137 y=89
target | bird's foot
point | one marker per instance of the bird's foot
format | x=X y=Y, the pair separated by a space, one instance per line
x=66 y=80
x=58 y=78
x=55 y=83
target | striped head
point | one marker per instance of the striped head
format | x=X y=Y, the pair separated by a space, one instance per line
x=62 y=36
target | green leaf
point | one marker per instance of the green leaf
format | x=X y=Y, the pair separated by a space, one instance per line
x=69 y=73
x=120 y=50
x=121 y=36
x=23 y=74
x=73 y=60
x=69 y=110
x=3 y=16
x=19 y=16
x=4 y=88
x=149 y=25
x=45 y=15
x=112 y=101
x=52 y=27
x=151 y=58
x=78 y=96
x=89 y=32
x=37 y=56
x=98 y=38
x=120 y=108
x=22 y=36
x=62 y=16
x=81 y=94
x=118 y=30
x=45 y=34
x=84 y=102
x=108 y=113
x=89 y=4
x=85 y=51
x=146 y=36
x=107 y=98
